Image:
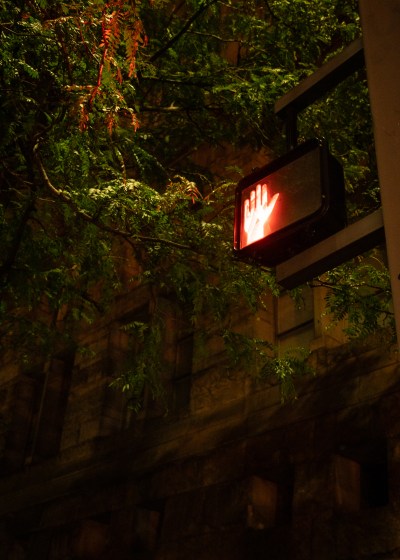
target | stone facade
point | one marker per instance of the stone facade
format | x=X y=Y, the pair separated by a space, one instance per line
x=229 y=473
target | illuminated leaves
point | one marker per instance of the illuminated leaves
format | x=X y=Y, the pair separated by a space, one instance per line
x=360 y=293
x=78 y=78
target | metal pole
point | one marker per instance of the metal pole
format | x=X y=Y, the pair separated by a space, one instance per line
x=380 y=21
x=291 y=129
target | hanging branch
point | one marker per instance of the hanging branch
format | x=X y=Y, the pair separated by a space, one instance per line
x=65 y=197
x=26 y=215
x=272 y=13
x=12 y=252
x=203 y=7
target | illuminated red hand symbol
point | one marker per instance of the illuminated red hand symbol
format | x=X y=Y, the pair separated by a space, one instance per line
x=257 y=212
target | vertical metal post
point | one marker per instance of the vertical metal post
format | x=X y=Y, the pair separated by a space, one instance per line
x=291 y=128
x=380 y=22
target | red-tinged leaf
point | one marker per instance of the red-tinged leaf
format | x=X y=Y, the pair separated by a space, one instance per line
x=84 y=118
x=110 y=122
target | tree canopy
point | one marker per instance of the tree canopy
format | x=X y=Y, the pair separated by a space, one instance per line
x=104 y=106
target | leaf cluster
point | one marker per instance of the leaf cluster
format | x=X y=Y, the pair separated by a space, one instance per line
x=360 y=294
x=106 y=106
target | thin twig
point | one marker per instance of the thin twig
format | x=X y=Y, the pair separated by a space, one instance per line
x=131 y=238
x=203 y=7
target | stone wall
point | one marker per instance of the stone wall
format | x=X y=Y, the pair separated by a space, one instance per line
x=230 y=472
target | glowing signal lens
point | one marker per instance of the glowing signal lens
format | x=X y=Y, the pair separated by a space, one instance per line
x=257 y=211
x=289 y=204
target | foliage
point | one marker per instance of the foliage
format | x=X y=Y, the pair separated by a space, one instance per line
x=140 y=373
x=287 y=368
x=362 y=295
x=104 y=105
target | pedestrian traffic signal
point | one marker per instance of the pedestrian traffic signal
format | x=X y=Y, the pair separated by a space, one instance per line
x=289 y=205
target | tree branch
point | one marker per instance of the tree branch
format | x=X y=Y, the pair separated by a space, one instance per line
x=16 y=243
x=128 y=236
x=272 y=13
x=378 y=290
x=184 y=82
x=217 y=37
x=11 y=255
x=203 y=7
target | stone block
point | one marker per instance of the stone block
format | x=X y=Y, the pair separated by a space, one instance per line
x=178 y=478
x=215 y=388
x=226 y=504
x=347 y=483
x=314 y=488
x=91 y=540
x=292 y=314
x=376 y=382
x=264 y=396
x=368 y=534
x=183 y=516
x=224 y=464
x=389 y=413
x=225 y=544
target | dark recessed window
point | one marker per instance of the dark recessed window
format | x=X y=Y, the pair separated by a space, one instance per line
x=362 y=477
x=374 y=484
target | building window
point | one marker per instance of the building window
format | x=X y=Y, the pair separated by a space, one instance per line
x=361 y=477
x=270 y=501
